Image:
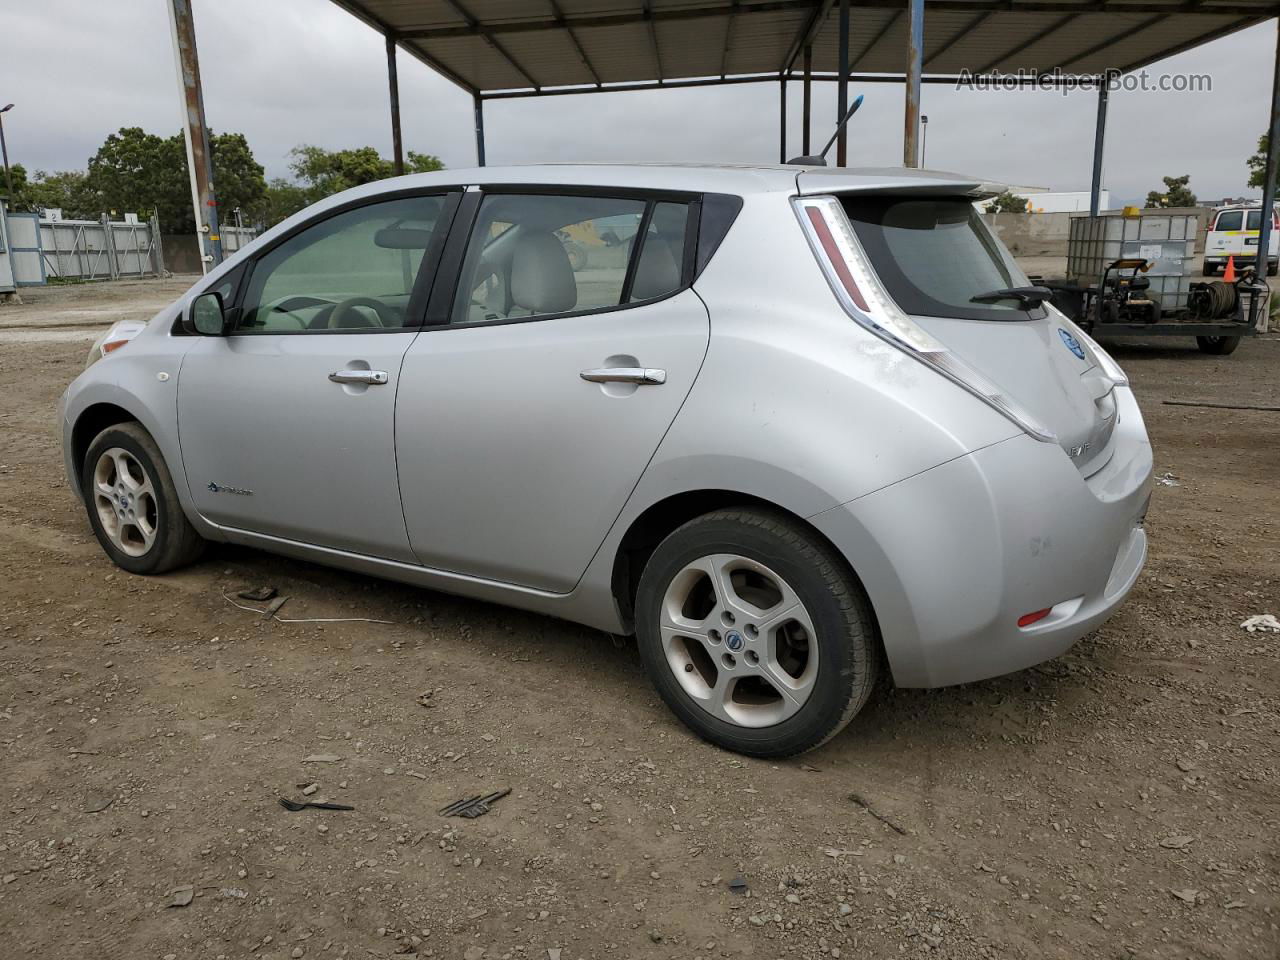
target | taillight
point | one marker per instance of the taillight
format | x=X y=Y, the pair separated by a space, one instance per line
x=855 y=284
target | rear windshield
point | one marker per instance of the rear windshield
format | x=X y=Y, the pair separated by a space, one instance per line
x=934 y=255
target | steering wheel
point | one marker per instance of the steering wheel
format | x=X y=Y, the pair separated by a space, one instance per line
x=338 y=316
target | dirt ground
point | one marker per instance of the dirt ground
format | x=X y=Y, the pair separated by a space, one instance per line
x=1122 y=801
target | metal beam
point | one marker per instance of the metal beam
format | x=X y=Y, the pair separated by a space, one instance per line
x=1198 y=41
x=477 y=103
x=1166 y=7
x=1099 y=134
x=842 y=90
x=949 y=79
x=653 y=38
x=490 y=39
x=195 y=132
x=1120 y=37
x=956 y=37
x=728 y=41
x=782 y=119
x=880 y=34
x=911 y=113
x=1029 y=42
x=393 y=95
x=808 y=99
x=353 y=8
x=1269 y=184
x=807 y=33
x=568 y=28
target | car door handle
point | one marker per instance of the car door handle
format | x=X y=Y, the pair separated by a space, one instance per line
x=371 y=377
x=625 y=375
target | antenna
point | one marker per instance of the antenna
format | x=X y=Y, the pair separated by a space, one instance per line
x=821 y=159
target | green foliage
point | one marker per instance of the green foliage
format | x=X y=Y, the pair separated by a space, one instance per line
x=415 y=162
x=67 y=190
x=1176 y=193
x=1007 y=202
x=1258 y=163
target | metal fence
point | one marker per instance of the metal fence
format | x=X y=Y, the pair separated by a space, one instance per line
x=100 y=249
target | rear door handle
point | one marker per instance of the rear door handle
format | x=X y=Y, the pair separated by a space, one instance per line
x=625 y=375
x=371 y=377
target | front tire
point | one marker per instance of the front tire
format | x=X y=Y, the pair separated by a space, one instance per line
x=755 y=632
x=132 y=504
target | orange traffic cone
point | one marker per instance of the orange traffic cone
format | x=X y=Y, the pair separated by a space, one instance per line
x=1229 y=275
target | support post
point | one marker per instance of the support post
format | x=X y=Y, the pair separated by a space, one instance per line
x=1273 y=153
x=393 y=84
x=915 y=67
x=479 y=109
x=782 y=119
x=808 y=99
x=196 y=134
x=1099 y=135
x=842 y=83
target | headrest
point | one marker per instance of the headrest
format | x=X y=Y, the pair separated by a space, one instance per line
x=541 y=275
x=657 y=273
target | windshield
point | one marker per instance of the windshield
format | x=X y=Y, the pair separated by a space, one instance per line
x=934 y=255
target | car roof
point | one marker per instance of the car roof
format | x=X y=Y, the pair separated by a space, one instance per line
x=731 y=178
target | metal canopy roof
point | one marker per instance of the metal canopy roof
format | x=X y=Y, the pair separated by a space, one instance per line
x=487 y=46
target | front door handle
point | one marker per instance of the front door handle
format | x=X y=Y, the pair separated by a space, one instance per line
x=625 y=375
x=371 y=377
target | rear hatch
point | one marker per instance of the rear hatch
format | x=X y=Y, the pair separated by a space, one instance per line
x=934 y=256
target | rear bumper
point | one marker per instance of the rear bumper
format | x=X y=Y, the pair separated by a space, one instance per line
x=1243 y=258
x=952 y=557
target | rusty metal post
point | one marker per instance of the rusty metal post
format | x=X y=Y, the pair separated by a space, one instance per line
x=1273 y=155
x=808 y=99
x=196 y=134
x=479 y=109
x=393 y=83
x=915 y=57
x=842 y=83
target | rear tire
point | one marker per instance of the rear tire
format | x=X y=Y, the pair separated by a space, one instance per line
x=1209 y=269
x=780 y=666
x=132 y=504
x=1218 y=346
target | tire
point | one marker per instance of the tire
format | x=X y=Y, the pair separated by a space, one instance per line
x=1272 y=268
x=122 y=509
x=825 y=643
x=1209 y=270
x=1218 y=346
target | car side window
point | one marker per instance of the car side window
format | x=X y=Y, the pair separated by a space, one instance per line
x=353 y=271
x=546 y=255
x=1229 y=221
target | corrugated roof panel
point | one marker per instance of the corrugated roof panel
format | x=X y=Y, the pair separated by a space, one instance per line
x=761 y=32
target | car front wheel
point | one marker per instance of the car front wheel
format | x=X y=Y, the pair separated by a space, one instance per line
x=755 y=632
x=132 y=504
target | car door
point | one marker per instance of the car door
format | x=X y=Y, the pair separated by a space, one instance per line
x=531 y=405
x=287 y=424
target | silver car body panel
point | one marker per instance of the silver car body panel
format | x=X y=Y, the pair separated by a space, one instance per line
x=956 y=522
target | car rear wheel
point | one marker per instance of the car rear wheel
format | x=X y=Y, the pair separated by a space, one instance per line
x=132 y=504
x=755 y=632
x=1219 y=346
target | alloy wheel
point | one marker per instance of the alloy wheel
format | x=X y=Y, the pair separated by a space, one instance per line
x=125 y=499
x=739 y=640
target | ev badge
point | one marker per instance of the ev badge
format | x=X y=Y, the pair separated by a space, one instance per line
x=733 y=640
x=1072 y=343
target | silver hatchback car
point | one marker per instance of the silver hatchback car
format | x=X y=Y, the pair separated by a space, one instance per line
x=789 y=426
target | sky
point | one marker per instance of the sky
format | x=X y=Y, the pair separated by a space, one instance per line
x=303 y=71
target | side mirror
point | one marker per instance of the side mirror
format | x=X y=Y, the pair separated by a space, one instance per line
x=207 y=316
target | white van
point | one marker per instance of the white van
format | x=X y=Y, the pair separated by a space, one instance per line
x=1233 y=232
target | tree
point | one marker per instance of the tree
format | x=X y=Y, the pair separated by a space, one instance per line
x=422 y=163
x=66 y=190
x=1176 y=193
x=135 y=171
x=1007 y=202
x=1258 y=163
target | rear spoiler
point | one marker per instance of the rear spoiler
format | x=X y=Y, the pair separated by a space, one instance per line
x=822 y=180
